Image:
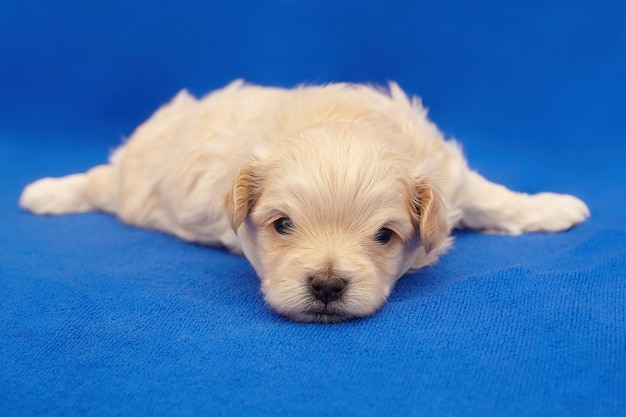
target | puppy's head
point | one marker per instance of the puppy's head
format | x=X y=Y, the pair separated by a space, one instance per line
x=331 y=219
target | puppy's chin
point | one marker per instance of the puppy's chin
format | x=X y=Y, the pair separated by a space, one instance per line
x=319 y=317
x=309 y=311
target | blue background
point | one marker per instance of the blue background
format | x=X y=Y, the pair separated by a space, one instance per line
x=97 y=318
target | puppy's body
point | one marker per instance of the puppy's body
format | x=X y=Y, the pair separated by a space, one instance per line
x=331 y=192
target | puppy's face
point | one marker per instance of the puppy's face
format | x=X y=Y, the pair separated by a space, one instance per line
x=331 y=219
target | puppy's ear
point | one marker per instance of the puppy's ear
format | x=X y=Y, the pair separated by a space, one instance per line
x=429 y=211
x=244 y=194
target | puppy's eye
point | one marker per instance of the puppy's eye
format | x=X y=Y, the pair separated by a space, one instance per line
x=284 y=225
x=383 y=236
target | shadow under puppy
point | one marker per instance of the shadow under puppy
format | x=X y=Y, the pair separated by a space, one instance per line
x=331 y=192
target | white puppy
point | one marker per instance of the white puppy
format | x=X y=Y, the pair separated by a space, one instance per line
x=331 y=192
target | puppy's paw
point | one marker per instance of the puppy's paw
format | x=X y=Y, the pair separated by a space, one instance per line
x=56 y=195
x=551 y=212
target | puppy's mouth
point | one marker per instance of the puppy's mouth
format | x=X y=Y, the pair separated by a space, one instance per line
x=326 y=315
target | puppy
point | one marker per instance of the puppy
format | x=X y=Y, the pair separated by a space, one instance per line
x=331 y=192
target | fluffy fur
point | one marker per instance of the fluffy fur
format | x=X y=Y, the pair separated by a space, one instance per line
x=331 y=192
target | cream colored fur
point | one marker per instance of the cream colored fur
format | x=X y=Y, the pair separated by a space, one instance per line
x=340 y=162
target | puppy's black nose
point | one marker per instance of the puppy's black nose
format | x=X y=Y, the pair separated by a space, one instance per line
x=327 y=289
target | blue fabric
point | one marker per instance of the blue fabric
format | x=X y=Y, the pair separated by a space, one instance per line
x=98 y=318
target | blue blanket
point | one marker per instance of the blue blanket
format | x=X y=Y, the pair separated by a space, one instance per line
x=98 y=318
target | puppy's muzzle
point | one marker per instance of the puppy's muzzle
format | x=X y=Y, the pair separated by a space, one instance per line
x=327 y=288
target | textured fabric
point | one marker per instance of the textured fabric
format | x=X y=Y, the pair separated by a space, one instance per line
x=98 y=318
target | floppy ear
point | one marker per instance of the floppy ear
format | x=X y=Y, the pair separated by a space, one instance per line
x=244 y=194
x=430 y=214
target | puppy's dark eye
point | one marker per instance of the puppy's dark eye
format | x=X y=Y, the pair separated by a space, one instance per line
x=284 y=225
x=383 y=236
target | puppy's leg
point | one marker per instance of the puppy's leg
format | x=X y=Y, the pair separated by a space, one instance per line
x=492 y=207
x=76 y=193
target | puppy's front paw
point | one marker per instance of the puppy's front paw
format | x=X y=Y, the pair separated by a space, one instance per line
x=56 y=195
x=551 y=212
